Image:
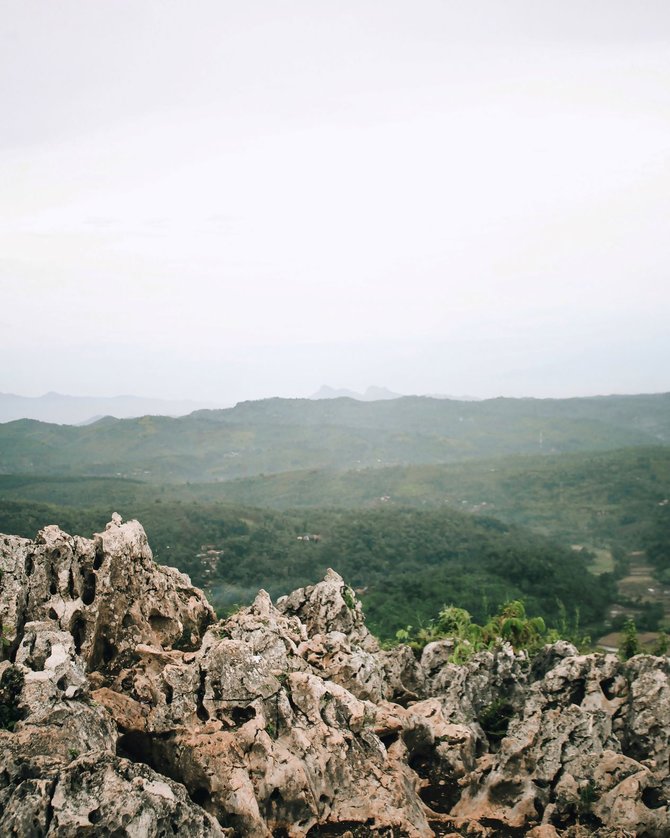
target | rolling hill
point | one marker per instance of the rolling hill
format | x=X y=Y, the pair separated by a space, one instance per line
x=277 y=435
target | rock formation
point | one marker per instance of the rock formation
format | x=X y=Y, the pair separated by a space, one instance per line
x=126 y=709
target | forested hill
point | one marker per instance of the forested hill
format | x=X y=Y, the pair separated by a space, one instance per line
x=405 y=563
x=276 y=435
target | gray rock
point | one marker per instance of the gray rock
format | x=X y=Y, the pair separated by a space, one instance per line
x=129 y=711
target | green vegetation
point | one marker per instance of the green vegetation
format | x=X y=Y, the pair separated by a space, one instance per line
x=630 y=644
x=661 y=646
x=610 y=503
x=404 y=563
x=599 y=500
x=510 y=625
x=11 y=685
x=279 y=435
x=416 y=502
x=495 y=718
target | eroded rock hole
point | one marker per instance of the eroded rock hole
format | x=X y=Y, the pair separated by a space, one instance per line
x=273 y=804
x=441 y=796
x=578 y=692
x=137 y=747
x=161 y=625
x=95 y=816
x=108 y=650
x=240 y=715
x=104 y=652
x=202 y=797
x=188 y=641
x=99 y=557
x=78 y=632
x=201 y=710
x=442 y=791
x=52 y=614
x=607 y=686
x=653 y=798
x=563 y=820
x=88 y=593
x=30 y=564
x=633 y=747
x=506 y=793
x=70 y=585
x=38 y=660
x=388 y=739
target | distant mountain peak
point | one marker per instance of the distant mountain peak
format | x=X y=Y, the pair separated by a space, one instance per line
x=372 y=394
x=62 y=409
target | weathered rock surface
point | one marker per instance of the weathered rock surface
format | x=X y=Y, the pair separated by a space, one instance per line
x=127 y=710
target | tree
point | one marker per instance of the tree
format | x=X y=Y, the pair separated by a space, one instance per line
x=630 y=644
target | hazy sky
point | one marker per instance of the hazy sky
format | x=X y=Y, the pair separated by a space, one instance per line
x=227 y=200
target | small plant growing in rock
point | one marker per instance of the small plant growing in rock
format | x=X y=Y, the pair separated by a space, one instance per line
x=661 y=645
x=10 y=691
x=510 y=624
x=348 y=597
x=73 y=753
x=495 y=718
x=630 y=644
x=463 y=652
x=404 y=635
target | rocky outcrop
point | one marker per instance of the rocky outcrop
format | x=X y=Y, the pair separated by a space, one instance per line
x=126 y=709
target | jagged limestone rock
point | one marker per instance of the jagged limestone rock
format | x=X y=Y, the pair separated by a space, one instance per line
x=127 y=710
x=100 y=794
x=107 y=592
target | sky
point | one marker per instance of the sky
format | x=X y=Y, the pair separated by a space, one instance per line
x=223 y=201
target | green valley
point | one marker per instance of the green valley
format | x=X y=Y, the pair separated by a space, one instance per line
x=418 y=503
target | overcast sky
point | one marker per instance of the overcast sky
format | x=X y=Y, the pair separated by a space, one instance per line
x=228 y=200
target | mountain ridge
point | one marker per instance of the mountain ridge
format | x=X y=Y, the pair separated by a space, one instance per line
x=276 y=435
x=63 y=409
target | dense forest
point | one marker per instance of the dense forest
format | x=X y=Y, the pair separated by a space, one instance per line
x=404 y=563
x=581 y=536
